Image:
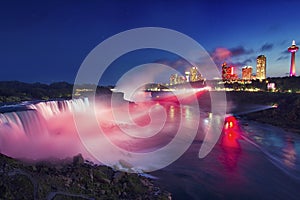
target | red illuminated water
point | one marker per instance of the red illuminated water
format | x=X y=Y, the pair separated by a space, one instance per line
x=255 y=161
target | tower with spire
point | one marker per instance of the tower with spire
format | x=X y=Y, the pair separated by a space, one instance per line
x=293 y=50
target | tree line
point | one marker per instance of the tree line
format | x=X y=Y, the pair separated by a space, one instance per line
x=15 y=91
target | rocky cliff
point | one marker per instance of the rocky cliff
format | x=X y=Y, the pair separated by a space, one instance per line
x=72 y=179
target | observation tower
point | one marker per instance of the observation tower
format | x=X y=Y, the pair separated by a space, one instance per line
x=293 y=50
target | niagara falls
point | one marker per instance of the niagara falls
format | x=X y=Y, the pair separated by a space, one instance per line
x=149 y=100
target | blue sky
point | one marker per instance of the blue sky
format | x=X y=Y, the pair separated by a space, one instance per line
x=44 y=41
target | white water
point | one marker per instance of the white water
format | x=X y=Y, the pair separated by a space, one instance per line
x=47 y=130
x=267 y=155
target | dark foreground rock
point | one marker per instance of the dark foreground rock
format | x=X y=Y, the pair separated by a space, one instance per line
x=72 y=179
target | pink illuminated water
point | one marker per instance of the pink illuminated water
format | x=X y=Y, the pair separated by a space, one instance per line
x=254 y=161
x=48 y=129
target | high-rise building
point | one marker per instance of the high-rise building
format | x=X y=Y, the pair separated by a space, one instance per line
x=293 y=50
x=247 y=73
x=193 y=75
x=228 y=73
x=261 y=64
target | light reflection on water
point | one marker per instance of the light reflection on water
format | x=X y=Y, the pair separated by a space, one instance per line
x=289 y=155
x=254 y=161
x=281 y=146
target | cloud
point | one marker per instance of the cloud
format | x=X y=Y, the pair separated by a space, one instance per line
x=221 y=54
x=284 y=43
x=241 y=64
x=285 y=52
x=239 y=51
x=178 y=64
x=247 y=61
x=282 y=57
x=266 y=47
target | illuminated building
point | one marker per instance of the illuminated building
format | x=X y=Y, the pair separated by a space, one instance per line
x=225 y=71
x=234 y=76
x=181 y=79
x=271 y=87
x=193 y=75
x=187 y=76
x=293 y=50
x=261 y=62
x=83 y=91
x=228 y=73
x=247 y=73
x=175 y=79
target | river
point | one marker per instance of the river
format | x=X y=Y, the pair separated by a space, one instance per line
x=264 y=163
x=250 y=161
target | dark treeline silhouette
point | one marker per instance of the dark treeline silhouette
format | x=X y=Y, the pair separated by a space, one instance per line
x=286 y=115
x=15 y=91
x=282 y=84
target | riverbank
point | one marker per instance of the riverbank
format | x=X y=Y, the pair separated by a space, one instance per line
x=72 y=178
x=285 y=112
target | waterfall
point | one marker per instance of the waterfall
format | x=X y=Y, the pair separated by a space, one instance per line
x=29 y=122
x=41 y=130
x=52 y=108
x=33 y=121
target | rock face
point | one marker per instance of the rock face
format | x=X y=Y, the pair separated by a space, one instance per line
x=78 y=160
x=75 y=179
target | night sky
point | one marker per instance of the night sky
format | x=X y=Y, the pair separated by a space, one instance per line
x=45 y=42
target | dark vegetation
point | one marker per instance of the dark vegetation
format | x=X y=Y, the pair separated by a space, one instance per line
x=282 y=84
x=71 y=179
x=286 y=115
x=15 y=91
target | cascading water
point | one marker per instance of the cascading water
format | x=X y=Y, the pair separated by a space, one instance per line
x=43 y=129
x=52 y=108
x=33 y=120
x=29 y=122
x=49 y=129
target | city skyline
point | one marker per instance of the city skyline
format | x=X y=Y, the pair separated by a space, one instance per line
x=47 y=42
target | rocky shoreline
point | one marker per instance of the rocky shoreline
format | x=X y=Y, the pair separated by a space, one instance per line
x=285 y=114
x=72 y=179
